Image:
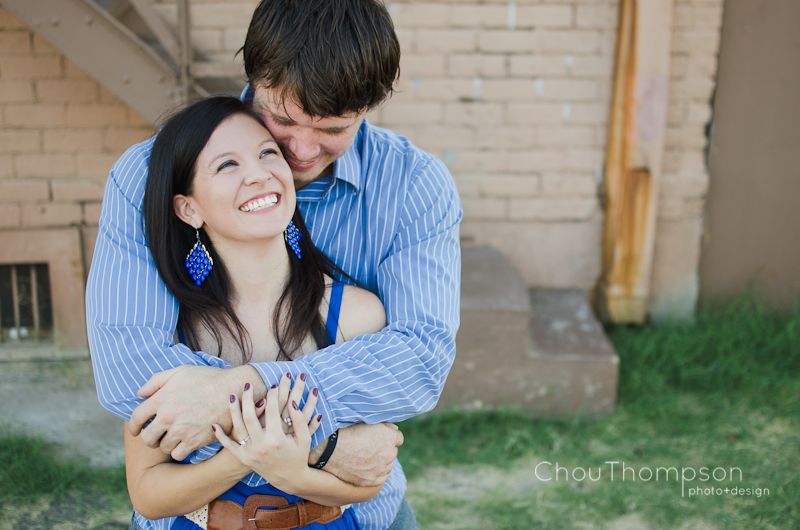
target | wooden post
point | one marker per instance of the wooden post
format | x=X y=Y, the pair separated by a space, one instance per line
x=634 y=153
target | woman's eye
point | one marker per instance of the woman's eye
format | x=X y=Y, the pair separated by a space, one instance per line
x=267 y=152
x=226 y=164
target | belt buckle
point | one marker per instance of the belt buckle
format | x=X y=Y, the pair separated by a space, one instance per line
x=254 y=502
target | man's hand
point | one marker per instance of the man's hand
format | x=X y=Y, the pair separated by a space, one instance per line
x=364 y=454
x=184 y=402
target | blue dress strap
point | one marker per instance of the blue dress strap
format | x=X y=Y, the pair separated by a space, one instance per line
x=334 y=307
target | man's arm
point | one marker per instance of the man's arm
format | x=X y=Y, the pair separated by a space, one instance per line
x=387 y=376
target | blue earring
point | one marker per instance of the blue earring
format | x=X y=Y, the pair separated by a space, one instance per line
x=293 y=236
x=198 y=262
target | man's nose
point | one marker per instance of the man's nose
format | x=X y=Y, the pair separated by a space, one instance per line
x=302 y=146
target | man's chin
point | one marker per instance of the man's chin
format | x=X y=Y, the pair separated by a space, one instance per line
x=302 y=177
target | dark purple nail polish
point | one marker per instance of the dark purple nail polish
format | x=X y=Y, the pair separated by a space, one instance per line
x=273 y=386
x=288 y=375
x=302 y=377
x=294 y=404
x=315 y=391
x=246 y=387
x=233 y=398
x=319 y=418
x=214 y=428
x=260 y=402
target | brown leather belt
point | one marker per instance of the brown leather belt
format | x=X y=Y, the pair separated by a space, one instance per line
x=228 y=515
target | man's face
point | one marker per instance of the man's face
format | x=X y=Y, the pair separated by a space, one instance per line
x=310 y=144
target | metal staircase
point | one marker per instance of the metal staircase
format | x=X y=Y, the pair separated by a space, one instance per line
x=128 y=47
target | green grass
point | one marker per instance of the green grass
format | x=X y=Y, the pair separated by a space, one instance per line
x=40 y=490
x=721 y=391
x=739 y=349
x=30 y=469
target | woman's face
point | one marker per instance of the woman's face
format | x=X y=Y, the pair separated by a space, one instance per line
x=242 y=188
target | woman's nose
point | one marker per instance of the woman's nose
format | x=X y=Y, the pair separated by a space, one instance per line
x=257 y=174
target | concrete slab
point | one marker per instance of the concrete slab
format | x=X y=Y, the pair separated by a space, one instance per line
x=493 y=338
x=542 y=350
x=575 y=366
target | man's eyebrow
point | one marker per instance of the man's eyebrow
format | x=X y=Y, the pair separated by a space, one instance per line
x=284 y=119
x=338 y=128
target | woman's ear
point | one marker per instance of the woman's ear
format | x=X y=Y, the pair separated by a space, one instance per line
x=184 y=209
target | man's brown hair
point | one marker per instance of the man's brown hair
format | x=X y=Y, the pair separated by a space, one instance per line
x=333 y=57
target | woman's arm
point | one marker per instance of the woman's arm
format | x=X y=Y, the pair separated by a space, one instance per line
x=160 y=488
x=326 y=489
x=282 y=458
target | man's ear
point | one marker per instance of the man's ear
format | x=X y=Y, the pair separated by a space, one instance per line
x=186 y=212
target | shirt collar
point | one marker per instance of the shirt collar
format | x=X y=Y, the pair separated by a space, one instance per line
x=347 y=167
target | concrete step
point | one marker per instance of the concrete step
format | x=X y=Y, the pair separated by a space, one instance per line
x=575 y=364
x=541 y=349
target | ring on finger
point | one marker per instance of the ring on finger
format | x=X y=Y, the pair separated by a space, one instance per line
x=288 y=421
x=244 y=440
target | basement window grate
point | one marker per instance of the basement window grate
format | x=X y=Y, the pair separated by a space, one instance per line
x=26 y=308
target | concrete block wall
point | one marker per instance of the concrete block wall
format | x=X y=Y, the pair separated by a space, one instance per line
x=60 y=133
x=513 y=95
x=696 y=32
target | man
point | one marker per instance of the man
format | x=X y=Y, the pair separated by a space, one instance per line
x=383 y=210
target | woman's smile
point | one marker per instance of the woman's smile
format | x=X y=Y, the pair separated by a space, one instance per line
x=261 y=203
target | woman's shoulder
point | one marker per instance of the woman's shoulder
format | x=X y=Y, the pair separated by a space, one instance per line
x=361 y=312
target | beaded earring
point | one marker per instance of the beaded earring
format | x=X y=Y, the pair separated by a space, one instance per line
x=292 y=236
x=198 y=262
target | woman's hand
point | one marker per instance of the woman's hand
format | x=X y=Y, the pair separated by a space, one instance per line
x=238 y=432
x=288 y=393
x=278 y=456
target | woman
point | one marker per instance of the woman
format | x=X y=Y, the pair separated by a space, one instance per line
x=220 y=190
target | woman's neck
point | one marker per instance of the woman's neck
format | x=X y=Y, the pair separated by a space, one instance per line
x=258 y=270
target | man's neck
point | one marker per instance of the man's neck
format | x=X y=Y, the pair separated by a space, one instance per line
x=300 y=184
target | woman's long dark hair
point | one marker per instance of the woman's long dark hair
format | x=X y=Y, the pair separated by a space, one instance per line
x=171 y=172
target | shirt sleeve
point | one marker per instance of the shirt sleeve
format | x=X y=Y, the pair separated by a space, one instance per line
x=400 y=371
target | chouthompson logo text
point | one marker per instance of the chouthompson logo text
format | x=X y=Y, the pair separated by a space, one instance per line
x=687 y=476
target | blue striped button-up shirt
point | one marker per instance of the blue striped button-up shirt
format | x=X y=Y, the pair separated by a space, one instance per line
x=388 y=215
